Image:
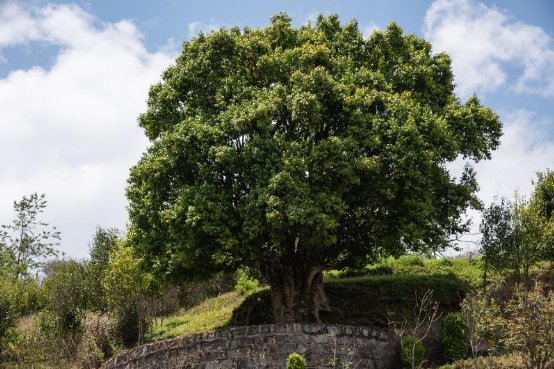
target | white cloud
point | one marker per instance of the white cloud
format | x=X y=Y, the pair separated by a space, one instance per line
x=16 y=25
x=483 y=40
x=195 y=28
x=70 y=131
x=524 y=150
x=368 y=29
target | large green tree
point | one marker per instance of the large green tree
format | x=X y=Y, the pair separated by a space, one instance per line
x=295 y=149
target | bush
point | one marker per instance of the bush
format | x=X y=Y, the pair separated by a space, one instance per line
x=17 y=297
x=455 y=336
x=245 y=284
x=530 y=327
x=331 y=274
x=296 y=361
x=65 y=294
x=410 y=260
x=445 y=262
x=98 y=342
x=9 y=306
x=412 y=352
x=379 y=270
x=126 y=285
x=488 y=362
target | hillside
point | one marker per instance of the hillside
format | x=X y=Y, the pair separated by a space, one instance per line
x=372 y=300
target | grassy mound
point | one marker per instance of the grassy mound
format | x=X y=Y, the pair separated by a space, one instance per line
x=386 y=295
x=371 y=300
x=211 y=314
x=467 y=269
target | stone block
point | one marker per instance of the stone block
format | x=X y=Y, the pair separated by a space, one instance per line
x=313 y=360
x=226 y=364
x=301 y=349
x=315 y=348
x=242 y=363
x=287 y=348
x=321 y=339
x=212 y=364
x=334 y=330
x=307 y=328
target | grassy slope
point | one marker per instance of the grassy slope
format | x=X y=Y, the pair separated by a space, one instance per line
x=209 y=315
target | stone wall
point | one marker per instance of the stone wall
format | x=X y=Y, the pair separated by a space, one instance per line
x=267 y=346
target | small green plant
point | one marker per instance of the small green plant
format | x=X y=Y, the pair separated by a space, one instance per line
x=245 y=284
x=410 y=260
x=411 y=352
x=379 y=270
x=296 y=361
x=455 y=336
x=445 y=262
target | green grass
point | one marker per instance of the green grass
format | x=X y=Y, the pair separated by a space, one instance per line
x=209 y=315
x=466 y=269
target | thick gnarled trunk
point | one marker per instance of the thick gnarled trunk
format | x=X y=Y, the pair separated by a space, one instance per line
x=297 y=294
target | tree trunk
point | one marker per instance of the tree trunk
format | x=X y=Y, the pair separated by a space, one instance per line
x=297 y=294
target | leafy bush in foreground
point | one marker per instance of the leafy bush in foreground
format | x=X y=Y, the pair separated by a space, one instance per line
x=455 y=336
x=296 y=361
x=412 y=352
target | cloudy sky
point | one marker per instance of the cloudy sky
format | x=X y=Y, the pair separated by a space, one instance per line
x=74 y=76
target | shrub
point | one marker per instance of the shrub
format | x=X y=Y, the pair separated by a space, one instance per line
x=488 y=362
x=455 y=336
x=98 y=341
x=9 y=307
x=412 y=352
x=352 y=272
x=331 y=274
x=410 y=260
x=530 y=327
x=17 y=297
x=296 y=361
x=245 y=284
x=445 y=262
x=126 y=284
x=379 y=270
x=65 y=294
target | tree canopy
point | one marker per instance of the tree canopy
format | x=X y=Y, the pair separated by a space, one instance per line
x=295 y=149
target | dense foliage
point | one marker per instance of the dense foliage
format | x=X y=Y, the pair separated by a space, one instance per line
x=412 y=352
x=455 y=336
x=294 y=149
x=516 y=235
x=296 y=361
x=125 y=286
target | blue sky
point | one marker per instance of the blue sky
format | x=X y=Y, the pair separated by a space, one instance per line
x=74 y=76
